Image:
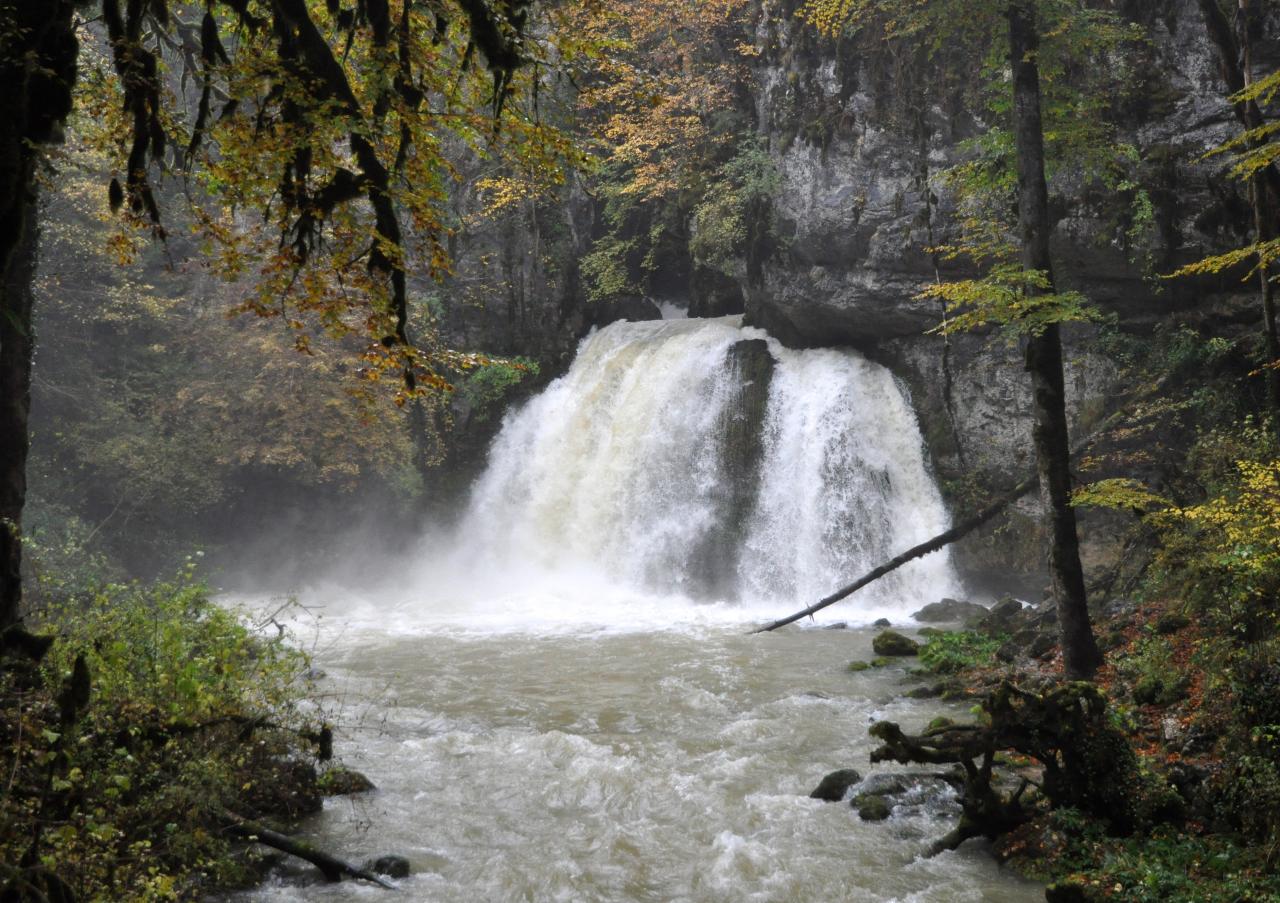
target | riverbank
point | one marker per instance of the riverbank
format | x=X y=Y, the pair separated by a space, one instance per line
x=1196 y=725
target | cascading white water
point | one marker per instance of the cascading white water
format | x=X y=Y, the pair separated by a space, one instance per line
x=619 y=469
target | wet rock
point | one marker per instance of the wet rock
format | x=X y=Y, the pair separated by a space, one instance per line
x=892 y=643
x=838 y=625
x=832 y=788
x=622 y=307
x=928 y=691
x=883 y=784
x=872 y=808
x=882 y=622
x=880 y=662
x=1004 y=616
x=343 y=782
x=859 y=666
x=1042 y=645
x=391 y=866
x=950 y=610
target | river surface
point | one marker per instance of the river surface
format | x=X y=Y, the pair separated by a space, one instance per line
x=547 y=712
x=627 y=763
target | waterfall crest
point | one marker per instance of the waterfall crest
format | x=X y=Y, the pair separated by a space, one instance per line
x=701 y=459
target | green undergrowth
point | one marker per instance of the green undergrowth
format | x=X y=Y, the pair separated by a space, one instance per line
x=950 y=653
x=1167 y=866
x=155 y=716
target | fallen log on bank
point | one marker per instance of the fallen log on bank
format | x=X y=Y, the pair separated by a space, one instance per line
x=333 y=868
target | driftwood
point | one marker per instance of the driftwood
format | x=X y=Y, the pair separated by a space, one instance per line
x=333 y=868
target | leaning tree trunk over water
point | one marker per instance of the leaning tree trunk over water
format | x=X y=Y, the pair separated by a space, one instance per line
x=1080 y=653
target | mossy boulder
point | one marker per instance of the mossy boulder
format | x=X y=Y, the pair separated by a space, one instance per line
x=341 y=781
x=1171 y=622
x=859 y=666
x=872 y=807
x=892 y=643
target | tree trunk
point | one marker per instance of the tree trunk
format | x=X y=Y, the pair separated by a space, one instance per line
x=1080 y=653
x=37 y=68
x=17 y=342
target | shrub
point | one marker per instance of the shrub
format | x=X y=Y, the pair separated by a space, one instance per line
x=155 y=712
x=952 y=652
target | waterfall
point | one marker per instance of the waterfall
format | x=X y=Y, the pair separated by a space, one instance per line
x=702 y=459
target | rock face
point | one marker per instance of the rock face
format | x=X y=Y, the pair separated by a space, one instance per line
x=742 y=448
x=862 y=199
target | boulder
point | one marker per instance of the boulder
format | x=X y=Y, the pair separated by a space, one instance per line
x=892 y=643
x=950 y=610
x=872 y=807
x=882 y=622
x=391 y=866
x=832 y=788
x=341 y=781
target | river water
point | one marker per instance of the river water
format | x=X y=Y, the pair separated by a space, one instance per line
x=549 y=715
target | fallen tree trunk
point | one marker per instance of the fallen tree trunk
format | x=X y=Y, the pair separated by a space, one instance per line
x=333 y=868
x=959 y=531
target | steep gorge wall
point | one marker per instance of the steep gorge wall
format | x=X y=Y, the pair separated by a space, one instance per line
x=861 y=154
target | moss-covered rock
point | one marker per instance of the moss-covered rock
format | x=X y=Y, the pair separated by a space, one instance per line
x=892 y=643
x=340 y=781
x=872 y=807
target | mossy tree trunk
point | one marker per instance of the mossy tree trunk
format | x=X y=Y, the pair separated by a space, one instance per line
x=1080 y=653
